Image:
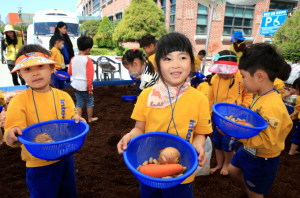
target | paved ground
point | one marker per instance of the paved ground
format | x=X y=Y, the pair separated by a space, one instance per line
x=5 y=77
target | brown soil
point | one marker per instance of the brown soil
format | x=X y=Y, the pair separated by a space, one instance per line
x=101 y=172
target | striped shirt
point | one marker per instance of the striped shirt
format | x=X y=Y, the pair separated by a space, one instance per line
x=148 y=79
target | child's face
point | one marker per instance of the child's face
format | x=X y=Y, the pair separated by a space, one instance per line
x=175 y=68
x=149 y=50
x=225 y=77
x=136 y=66
x=200 y=57
x=10 y=34
x=37 y=77
x=250 y=82
x=59 y=44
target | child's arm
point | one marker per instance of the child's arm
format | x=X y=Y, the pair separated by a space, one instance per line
x=198 y=144
x=246 y=98
x=89 y=74
x=210 y=95
x=296 y=109
x=137 y=130
x=70 y=68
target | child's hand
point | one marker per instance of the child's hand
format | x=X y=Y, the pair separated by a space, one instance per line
x=90 y=92
x=138 y=78
x=77 y=118
x=221 y=132
x=292 y=115
x=122 y=145
x=12 y=134
x=202 y=157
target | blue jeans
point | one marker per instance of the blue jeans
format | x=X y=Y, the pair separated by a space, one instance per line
x=59 y=84
x=84 y=95
x=55 y=180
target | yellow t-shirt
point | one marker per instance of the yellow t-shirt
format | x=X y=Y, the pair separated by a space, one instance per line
x=203 y=87
x=57 y=57
x=2 y=100
x=152 y=60
x=186 y=114
x=279 y=85
x=219 y=91
x=197 y=63
x=21 y=113
x=297 y=109
x=270 y=141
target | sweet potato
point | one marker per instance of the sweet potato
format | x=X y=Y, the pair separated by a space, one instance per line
x=161 y=170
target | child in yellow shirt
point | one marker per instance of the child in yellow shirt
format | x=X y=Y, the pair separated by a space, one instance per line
x=148 y=43
x=226 y=86
x=195 y=80
x=282 y=76
x=153 y=110
x=56 y=55
x=255 y=164
x=37 y=104
x=203 y=87
x=296 y=116
x=2 y=102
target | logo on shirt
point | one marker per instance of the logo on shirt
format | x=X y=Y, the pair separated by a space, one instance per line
x=63 y=107
x=190 y=129
x=273 y=122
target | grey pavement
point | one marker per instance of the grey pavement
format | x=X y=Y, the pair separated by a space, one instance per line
x=5 y=77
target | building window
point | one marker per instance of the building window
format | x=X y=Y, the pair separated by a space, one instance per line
x=155 y=1
x=96 y=5
x=83 y=12
x=119 y=16
x=275 y=5
x=238 y=17
x=163 y=6
x=103 y=1
x=90 y=6
x=202 y=14
x=111 y=18
x=172 y=15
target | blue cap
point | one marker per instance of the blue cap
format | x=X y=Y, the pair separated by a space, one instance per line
x=238 y=35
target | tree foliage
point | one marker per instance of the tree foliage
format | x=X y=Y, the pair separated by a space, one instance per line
x=287 y=37
x=140 y=18
x=105 y=31
x=91 y=27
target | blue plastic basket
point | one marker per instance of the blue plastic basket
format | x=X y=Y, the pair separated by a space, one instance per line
x=61 y=75
x=128 y=98
x=234 y=129
x=200 y=75
x=147 y=145
x=68 y=137
x=1 y=107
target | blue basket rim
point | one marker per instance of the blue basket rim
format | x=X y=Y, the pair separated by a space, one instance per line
x=154 y=179
x=246 y=109
x=128 y=96
x=22 y=140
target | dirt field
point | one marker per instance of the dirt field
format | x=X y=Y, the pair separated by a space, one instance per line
x=101 y=172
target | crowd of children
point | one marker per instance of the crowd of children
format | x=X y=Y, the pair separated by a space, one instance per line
x=254 y=80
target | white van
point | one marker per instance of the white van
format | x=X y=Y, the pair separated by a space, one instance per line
x=44 y=23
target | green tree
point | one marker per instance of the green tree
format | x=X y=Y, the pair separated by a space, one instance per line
x=287 y=37
x=16 y=27
x=91 y=27
x=140 y=18
x=105 y=23
x=107 y=33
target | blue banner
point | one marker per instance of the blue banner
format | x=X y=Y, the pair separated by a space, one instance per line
x=271 y=21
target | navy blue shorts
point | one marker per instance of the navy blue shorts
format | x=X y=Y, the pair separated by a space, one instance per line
x=59 y=84
x=296 y=135
x=84 y=95
x=259 y=173
x=55 y=180
x=222 y=142
x=179 y=191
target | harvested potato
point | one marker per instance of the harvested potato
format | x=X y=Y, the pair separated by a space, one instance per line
x=155 y=161
x=169 y=155
x=42 y=138
x=145 y=163
x=167 y=177
x=151 y=160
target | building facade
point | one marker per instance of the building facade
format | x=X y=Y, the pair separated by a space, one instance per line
x=191 y=18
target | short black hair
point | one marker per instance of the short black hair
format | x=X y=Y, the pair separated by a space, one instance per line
x=285 y=72
x=227 y=52
x=147 y=40
x=296 y=84
x=173 y=42
x=55 y=38
x=261 y=56
x=202 y=52
x=85 y=42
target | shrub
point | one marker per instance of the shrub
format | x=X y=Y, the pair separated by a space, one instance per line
x=90 y=26
x=95 y=51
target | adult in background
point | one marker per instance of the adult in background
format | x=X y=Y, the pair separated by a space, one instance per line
x=67 y=51
x=12 y=45
x=238 y=44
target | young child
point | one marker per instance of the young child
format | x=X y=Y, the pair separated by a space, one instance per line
x=81 y=68
x=148 y=43
x=255 y=164
x=203 y=87
x=40 y=103
x=153 y=110
x=59 y=59
x=2 y=102
x=138 y=64
x=282 y=76
x=296 y=116
x=195 y=80
x=226 y=86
